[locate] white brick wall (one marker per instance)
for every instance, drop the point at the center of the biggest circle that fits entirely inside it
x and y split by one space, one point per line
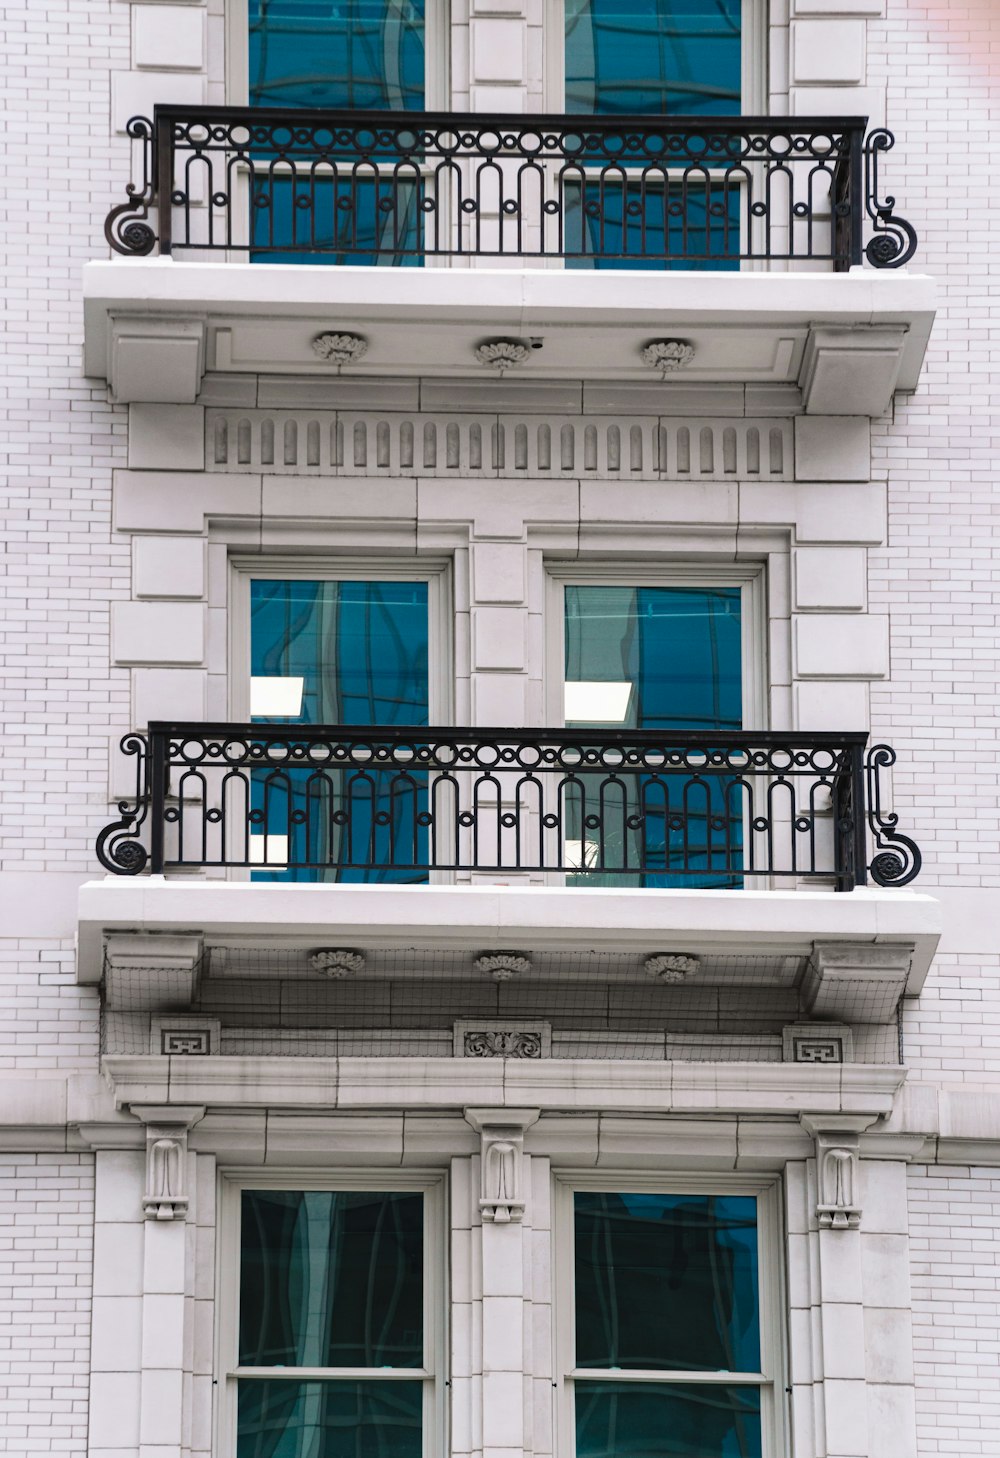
45 1284
954 1263
46 1020
937 578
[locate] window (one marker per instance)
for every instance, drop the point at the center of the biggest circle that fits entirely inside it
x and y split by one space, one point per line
361 54
668 1325
656 58
666 57
386 55
331 1343
671 655
353 649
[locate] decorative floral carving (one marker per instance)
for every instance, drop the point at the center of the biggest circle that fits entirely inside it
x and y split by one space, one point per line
502 966
503 1045
337 962
502 354
667 355
671 967
340 349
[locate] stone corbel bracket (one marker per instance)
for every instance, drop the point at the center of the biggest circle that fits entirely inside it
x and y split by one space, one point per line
154 360
837 1136
166 1194
502 1195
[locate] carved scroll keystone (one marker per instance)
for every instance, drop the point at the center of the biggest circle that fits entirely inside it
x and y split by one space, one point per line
166 1196
837 1136
502 1195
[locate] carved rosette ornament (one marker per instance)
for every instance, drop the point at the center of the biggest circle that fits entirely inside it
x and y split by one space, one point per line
340 349
667 355
671 967
337 962
502 966
502 354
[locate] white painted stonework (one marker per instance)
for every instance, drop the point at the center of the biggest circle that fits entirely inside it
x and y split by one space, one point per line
828 447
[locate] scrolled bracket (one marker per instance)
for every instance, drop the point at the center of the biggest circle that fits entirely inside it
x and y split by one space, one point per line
119 849
895 242
897 860
125 227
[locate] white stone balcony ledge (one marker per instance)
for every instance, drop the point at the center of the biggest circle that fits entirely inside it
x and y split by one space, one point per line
888 936
829 343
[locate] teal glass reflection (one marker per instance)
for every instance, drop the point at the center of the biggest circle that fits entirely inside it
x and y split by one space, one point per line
331 1278
368 1419
654 1420
637 221
653 57
672 659
354 54
667 1281
361 652
348 221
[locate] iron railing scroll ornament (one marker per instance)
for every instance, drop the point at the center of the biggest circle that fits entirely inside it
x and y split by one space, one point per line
636 807
126 227
897 860
895 241
119 847
414 188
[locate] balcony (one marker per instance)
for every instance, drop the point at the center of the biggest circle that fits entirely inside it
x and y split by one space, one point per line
586 191
574 240
359 890
398 806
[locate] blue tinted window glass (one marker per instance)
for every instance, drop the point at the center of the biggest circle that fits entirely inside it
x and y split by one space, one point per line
653 57
679 648
667 1281
331 1278
640 224
333 222
660 1420
367 1419
656 658
352 653
354 54
360 648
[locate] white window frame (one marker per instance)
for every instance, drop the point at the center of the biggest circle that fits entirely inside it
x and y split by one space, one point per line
437 52
749 577
434 1374
771 1278
753 56
437 572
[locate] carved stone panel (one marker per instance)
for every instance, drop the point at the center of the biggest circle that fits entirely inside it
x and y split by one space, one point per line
481 1038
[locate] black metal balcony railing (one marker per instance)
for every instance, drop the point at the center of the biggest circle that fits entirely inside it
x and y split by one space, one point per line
648 807
625 192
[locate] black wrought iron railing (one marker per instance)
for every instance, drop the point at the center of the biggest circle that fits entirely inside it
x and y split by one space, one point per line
632 807
415 188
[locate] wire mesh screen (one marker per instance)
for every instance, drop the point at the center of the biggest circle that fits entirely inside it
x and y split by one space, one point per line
447 1004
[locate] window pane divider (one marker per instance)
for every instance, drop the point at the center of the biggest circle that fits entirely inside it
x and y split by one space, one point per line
668 1374
347 1374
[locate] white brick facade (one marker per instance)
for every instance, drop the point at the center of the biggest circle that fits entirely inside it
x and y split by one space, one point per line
874 544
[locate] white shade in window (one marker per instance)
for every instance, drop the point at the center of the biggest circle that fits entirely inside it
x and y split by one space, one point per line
591 702
276 698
